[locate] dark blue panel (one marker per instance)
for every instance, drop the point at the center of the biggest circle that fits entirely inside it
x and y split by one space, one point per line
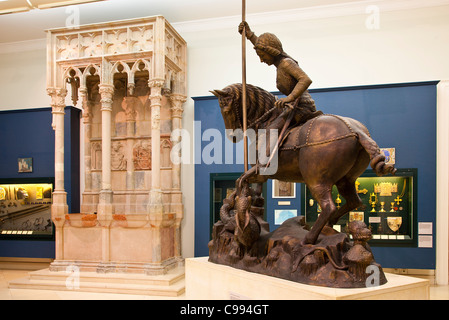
27 249
401 116
206 110
28 133
72 157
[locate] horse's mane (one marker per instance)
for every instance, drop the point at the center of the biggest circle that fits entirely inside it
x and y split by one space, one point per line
259 101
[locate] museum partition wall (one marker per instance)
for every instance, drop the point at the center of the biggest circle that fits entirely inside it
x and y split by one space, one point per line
27 174
400 210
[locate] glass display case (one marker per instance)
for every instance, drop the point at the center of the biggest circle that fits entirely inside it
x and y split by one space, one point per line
221 186
25 208
389 207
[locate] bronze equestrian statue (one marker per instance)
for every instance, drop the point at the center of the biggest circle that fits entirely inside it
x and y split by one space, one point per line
316 149
325 151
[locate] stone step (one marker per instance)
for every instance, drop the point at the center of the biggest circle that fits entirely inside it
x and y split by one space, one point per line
171 277
171 284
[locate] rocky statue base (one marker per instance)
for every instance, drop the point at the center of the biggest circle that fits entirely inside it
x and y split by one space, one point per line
241 239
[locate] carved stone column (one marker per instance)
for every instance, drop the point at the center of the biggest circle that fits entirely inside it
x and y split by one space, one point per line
177 101
87 122
105 208
59 207
129 106
156 101
155 206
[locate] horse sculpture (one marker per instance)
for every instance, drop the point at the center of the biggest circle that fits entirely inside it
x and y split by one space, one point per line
326 150
323 151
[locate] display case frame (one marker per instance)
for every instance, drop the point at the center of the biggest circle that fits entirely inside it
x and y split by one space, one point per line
26 216
390 207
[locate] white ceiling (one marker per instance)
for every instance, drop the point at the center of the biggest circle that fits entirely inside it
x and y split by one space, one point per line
31 25
25 26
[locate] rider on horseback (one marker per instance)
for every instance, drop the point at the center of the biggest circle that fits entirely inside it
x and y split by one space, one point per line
291 80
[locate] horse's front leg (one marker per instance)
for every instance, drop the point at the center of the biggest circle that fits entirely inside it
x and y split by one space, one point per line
244 177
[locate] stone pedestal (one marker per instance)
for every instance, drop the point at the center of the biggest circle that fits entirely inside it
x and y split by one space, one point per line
168 285
210 281
125 244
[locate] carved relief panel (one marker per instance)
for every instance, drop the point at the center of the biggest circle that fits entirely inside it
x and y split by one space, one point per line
109 41
96 155
142 156
165 153
118 160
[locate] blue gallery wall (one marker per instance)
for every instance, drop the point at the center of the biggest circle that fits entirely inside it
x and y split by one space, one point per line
401 116
28 133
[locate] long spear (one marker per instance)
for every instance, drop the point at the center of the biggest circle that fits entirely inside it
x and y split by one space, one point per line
245 137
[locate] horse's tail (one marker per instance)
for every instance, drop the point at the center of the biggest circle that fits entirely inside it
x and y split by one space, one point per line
377 158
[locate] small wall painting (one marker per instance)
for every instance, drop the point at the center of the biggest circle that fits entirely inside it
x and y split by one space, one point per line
25 164
282 189
281 215
390 155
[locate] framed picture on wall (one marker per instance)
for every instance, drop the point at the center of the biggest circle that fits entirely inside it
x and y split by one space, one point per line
390 155
282 189
281 215
25 164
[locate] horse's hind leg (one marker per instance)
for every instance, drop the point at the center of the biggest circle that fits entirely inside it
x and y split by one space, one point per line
346 188
322 194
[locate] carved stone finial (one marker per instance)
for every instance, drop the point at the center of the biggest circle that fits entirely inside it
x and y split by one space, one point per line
106 91
129 105
87 115
57 98
156 83
177 101
57 102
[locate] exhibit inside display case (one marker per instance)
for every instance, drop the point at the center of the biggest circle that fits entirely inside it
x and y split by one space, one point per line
222 185
389 207
25 208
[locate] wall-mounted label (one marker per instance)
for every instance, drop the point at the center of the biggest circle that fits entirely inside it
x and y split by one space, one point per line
425 228
425 241
374 220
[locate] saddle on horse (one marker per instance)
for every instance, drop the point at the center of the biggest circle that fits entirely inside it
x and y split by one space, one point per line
299 119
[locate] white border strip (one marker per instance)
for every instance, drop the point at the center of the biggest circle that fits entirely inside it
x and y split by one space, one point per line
442 221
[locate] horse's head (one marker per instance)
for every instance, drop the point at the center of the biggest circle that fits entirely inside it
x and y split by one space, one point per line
228 102
258 104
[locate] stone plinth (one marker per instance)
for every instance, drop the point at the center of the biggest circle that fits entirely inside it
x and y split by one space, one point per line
168 285
129 246
206 280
